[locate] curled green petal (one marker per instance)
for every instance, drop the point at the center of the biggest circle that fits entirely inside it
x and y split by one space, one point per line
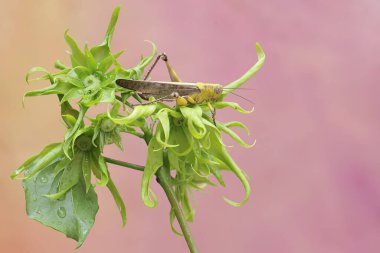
235 136
251 72
194 121
39 69
221 153
237 124
153 163
164 143
118 200
172 219
60 65
146 61
141 111
182 139
233 105
103 170
72 131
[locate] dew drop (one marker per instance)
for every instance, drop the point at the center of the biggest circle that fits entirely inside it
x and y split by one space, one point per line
43 179
61 212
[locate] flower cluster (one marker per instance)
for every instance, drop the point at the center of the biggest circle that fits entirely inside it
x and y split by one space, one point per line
183 139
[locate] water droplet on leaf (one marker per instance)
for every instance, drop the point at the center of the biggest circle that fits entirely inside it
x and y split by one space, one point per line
43 179
61 212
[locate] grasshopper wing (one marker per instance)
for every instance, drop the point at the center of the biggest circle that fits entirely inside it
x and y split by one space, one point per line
158 89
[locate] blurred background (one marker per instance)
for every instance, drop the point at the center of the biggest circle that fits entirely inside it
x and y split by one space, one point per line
315 167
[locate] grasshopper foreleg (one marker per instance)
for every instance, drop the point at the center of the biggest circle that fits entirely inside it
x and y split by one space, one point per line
213 112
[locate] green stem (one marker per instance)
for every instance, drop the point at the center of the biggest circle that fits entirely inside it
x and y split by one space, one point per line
124 164
164 180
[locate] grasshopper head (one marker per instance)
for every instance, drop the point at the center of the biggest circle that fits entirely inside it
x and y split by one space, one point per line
218 89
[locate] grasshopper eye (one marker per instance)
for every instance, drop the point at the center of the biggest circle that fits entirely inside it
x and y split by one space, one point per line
218 90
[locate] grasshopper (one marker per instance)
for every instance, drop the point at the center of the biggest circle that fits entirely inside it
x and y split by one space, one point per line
181 92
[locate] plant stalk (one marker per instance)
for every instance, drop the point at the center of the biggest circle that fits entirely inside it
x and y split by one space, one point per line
124 164
164 179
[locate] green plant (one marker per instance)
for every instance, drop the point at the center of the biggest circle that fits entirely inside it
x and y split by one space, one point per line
59 182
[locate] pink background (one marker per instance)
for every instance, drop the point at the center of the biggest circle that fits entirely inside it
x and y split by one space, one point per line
315 167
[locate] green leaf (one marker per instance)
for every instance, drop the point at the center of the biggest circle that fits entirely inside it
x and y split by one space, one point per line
68 114
71 132
107 62
86 169
103 50
73 215
70 177
53 89
78 58
37 163
71 94
107 95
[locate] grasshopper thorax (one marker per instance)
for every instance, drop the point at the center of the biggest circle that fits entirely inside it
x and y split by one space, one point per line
208 92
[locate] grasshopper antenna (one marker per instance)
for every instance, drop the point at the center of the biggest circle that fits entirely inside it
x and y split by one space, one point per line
246 99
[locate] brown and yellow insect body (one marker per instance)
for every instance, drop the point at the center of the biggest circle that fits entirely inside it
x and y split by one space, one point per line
182 93
208 92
